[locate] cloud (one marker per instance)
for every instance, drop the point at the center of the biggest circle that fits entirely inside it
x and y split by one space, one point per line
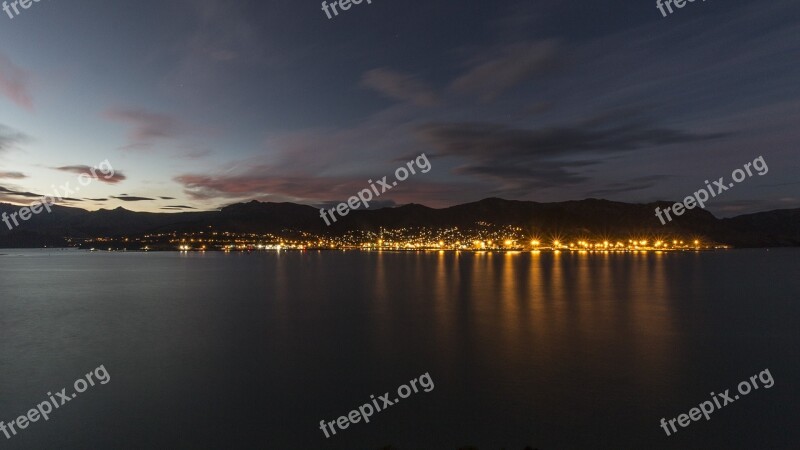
494 141
13 175
5 190
99 175
400 86
491 75
133 199
14 195
177 207
521 159
146 126
14 83
167 198
10 138
517 180
257 183
374 204
251 184
635 184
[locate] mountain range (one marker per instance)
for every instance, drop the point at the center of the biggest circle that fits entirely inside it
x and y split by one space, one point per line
591 217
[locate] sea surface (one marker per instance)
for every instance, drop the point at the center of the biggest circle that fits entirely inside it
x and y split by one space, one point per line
556 351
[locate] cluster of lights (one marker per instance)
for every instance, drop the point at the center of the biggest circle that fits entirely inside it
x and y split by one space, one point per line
484 237
186 248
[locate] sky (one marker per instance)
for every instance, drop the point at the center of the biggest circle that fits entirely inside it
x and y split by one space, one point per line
197 104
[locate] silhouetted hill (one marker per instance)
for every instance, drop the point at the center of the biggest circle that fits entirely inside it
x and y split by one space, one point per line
778 228
583 217
591 216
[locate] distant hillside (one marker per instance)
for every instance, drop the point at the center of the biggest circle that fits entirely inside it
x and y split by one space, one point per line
584 217
778 228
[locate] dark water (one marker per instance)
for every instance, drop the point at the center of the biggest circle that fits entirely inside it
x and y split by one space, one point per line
562 351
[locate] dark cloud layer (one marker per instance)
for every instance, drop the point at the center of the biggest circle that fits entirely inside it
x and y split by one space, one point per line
9 191
177 207
523 159
13 175
110 178
13 195
133 199
632 185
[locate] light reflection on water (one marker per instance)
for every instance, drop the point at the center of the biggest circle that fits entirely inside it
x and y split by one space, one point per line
553 350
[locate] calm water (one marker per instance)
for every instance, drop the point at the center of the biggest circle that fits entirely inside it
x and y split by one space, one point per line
562 351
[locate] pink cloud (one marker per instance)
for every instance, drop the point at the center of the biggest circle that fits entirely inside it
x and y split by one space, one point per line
257 184
14 83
